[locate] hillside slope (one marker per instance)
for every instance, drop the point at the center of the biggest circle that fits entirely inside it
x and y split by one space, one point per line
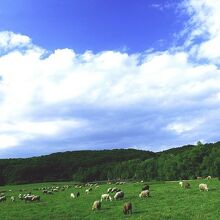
176 163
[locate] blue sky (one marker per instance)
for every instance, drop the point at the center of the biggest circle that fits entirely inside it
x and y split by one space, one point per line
95 25
95 74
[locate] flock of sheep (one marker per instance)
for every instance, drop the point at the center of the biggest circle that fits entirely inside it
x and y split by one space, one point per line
127 208
32 197
202 186
111 193
119 194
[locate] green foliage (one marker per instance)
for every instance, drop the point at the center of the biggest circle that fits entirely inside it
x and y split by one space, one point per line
186 162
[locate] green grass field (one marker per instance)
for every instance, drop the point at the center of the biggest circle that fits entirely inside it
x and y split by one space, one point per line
168 201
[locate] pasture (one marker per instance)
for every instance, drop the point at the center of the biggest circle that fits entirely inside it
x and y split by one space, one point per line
167 201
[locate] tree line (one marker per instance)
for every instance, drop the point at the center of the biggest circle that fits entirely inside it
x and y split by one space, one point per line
186 162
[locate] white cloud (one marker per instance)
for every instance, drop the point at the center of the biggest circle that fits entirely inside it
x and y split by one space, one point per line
204 25
63 93
8 141
181 127
10 40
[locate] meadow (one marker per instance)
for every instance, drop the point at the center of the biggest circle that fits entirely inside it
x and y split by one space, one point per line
167 201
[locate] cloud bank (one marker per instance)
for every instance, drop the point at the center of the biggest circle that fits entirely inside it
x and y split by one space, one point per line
61 100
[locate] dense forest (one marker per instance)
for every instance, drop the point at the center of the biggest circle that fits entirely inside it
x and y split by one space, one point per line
120 164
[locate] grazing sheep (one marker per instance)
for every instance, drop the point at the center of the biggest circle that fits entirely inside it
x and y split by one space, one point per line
72 195
20 196
119 195
145 187
208 177
28 197
88 190
115 189
2 198
186 185
106 197
12 198
54 190
203 187
35 198
96 205
49 192
109 190
145 193
198 177
127 208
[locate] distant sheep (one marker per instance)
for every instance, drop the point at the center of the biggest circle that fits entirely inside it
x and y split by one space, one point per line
28 197
88 190
49 192
145 187
181 183
203 187
119 195
20 196
35 198
208 177
109 190
12 198
127 208
115 189
72 196
96 205
106 197
31 198
184 184
145 193
55 190
2 198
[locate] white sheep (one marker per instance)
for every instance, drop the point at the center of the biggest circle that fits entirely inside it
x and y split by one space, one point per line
72 195
35 198
181 183
28 197
203 187
145 193
109 190
12 198
96 205
119 195
2 198
87 191
106 197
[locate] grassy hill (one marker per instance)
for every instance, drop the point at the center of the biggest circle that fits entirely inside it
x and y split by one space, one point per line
176 163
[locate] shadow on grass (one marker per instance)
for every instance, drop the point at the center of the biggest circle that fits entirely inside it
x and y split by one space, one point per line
213 189
140 212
